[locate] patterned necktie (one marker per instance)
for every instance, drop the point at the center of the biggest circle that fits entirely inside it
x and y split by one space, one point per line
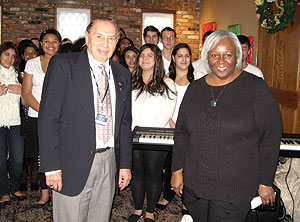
104 133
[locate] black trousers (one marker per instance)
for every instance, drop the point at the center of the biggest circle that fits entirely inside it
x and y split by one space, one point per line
168 193
33 145
233 209
147 177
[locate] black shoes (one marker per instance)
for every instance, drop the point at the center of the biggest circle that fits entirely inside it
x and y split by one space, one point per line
20 198
134 217
38 206
161 206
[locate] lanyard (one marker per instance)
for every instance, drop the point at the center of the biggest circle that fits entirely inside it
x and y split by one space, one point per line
98 85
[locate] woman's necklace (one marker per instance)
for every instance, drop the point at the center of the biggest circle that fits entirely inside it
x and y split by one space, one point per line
214 101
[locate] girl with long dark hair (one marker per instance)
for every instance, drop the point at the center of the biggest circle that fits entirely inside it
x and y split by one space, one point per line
181 71
153 104
11 140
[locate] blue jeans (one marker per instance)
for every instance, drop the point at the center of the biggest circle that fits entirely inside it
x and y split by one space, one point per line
11 141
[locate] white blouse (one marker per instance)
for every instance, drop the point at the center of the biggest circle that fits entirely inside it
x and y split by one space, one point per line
153 111
34 68
180 93
9 103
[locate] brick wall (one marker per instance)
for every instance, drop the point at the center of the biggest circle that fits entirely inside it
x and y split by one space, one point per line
187 25
28 18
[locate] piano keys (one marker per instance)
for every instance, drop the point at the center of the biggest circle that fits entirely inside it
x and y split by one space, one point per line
161 139
153 138
290 145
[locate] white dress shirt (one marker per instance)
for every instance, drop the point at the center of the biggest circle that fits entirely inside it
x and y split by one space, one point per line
166 65
200 68
254 70
95 68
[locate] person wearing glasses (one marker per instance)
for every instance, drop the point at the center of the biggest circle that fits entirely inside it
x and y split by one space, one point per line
168 39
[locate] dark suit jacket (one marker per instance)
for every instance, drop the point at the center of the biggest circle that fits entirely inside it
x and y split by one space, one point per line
67 135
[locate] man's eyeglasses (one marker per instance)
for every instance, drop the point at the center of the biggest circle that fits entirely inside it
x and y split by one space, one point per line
168 38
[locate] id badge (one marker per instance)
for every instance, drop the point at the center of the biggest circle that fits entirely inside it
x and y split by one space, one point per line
101 119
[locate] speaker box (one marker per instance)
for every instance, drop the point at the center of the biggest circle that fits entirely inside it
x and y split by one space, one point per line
266 213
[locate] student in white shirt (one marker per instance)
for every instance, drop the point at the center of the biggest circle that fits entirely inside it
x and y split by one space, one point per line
181 71
168 39
153 105
34 75
11 140
199 65
244 40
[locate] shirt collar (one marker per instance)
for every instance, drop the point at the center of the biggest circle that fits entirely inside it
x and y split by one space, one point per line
94 63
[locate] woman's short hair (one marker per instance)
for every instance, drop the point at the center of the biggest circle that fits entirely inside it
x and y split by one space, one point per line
213 39
172 67
46 32
50 31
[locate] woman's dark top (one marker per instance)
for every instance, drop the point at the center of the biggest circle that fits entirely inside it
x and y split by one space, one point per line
231 147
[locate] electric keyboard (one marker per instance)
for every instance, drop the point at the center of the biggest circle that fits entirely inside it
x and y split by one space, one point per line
290 145
153 138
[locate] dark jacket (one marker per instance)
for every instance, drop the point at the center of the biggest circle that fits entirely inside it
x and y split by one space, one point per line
67 135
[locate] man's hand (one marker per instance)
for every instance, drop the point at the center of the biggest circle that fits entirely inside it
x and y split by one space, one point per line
54 181
266 194
177 182
124 178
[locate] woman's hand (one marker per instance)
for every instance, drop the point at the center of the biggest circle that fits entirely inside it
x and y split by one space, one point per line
266 194
172 124
15 88
177 182
3 89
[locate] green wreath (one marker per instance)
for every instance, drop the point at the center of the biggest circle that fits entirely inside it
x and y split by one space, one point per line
275 22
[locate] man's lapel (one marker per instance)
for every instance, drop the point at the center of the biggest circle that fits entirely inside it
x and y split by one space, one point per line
120 87
83 81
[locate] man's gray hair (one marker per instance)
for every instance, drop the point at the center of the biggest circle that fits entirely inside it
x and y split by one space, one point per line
90 26
213 39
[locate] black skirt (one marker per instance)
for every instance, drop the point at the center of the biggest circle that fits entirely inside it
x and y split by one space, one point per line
32 142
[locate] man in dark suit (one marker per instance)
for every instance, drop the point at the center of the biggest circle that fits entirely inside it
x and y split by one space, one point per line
85 127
